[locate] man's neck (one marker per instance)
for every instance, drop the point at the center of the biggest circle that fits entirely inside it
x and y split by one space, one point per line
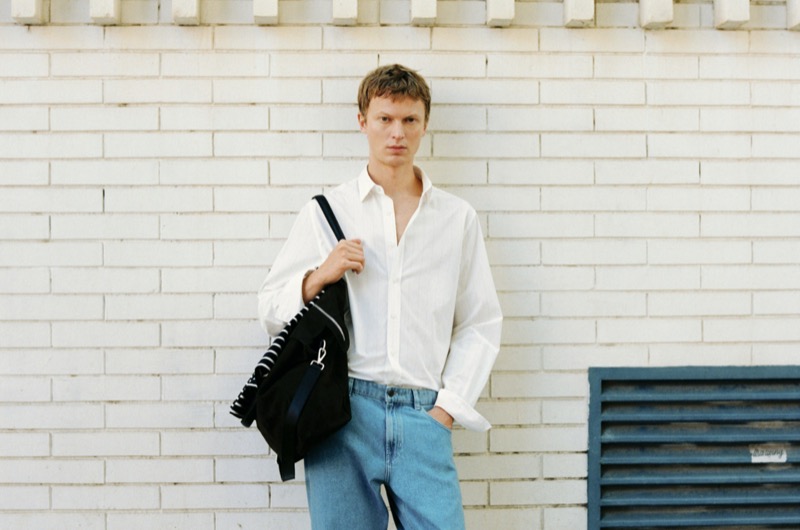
396 181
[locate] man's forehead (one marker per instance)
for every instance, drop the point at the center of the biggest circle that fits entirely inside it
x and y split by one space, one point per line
400 103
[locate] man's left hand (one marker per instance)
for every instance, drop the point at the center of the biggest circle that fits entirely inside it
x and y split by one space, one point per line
440 415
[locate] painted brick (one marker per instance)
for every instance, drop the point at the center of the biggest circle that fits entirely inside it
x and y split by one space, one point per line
646 119
24 227
545 439
544 491
539 66
158 307
698 93
199 172
751 225
654 278
157 37
15 389
752 330
775 145
160 521
549 331
104 172
520 304
587 304
597 92
104 119
24 444
546 385
212 443
267 144
676 252
27 254
160 199
49 416
277 38
24 65
599 40
540 119
267 91
772 94
105 497
647 225
105 280
159 470
157 145
510 412
25 498
504 518
23 119
678 304
698 199
49 307
762 120
106 388
95 227
104 64
533 172
50 146
15 173
223 333
697 42
645 67
582 357
513 252
51 362
772 172
101 334
564 466
594 145
646 172
751 277
157 253
252 521
214 118
214 65
50 91
557 412
105 444
572 518
648 330
485 39
707 354
489 91
160 361
776 252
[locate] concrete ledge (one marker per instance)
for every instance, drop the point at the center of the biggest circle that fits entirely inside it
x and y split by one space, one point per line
104 11
265 12
28 12
186 12
793 14
499 12
578 13
345 12
655 14
423 12
731 14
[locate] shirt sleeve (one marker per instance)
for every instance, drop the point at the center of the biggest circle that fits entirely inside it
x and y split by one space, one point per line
280 297
475 340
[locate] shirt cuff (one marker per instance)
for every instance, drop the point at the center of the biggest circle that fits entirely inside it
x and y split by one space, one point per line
291 298
461 411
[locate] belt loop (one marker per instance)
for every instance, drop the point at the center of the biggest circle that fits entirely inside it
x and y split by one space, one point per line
350 384
415 399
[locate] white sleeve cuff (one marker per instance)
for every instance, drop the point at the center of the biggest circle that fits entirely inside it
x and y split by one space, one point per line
461 411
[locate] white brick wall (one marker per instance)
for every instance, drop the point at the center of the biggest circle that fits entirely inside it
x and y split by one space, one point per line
638 189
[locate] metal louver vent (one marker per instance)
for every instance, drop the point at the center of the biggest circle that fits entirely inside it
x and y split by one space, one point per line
694 447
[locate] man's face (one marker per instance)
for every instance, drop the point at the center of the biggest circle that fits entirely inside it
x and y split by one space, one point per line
394 129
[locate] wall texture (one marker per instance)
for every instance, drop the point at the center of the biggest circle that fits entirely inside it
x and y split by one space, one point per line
639 191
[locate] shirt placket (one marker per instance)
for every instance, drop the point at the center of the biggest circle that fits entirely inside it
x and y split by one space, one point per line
394 264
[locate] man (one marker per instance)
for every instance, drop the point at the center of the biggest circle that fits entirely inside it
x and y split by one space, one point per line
425 322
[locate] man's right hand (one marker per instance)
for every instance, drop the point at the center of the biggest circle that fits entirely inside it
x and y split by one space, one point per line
347 255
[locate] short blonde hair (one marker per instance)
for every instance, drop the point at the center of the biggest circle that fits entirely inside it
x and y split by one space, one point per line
395 81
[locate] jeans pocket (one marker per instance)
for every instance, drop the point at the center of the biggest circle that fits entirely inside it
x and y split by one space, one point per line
430 418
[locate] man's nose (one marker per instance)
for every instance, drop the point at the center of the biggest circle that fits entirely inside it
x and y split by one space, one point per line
397 129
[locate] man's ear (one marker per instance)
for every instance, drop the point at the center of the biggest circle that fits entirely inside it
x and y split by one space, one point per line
362 122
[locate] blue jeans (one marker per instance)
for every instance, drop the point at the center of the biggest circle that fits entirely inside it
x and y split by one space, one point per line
391 440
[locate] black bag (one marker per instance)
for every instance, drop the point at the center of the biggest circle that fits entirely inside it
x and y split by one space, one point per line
299 393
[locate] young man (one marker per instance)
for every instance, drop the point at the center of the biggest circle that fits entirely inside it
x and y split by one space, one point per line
425 322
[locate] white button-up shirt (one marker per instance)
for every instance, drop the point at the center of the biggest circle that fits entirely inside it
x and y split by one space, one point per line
424 311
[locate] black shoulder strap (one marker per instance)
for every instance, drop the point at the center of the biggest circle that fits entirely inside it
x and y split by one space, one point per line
326 209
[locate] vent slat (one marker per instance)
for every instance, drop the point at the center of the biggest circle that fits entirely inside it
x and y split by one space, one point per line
694 454
692 475
696 496
698 391
726 412
674 519
705 433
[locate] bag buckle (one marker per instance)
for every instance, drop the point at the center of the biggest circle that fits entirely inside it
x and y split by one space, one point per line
320 356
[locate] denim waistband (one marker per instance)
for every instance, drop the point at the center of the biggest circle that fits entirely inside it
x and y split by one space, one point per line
415 397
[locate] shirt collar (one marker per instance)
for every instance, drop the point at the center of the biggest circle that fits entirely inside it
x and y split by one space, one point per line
366 184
